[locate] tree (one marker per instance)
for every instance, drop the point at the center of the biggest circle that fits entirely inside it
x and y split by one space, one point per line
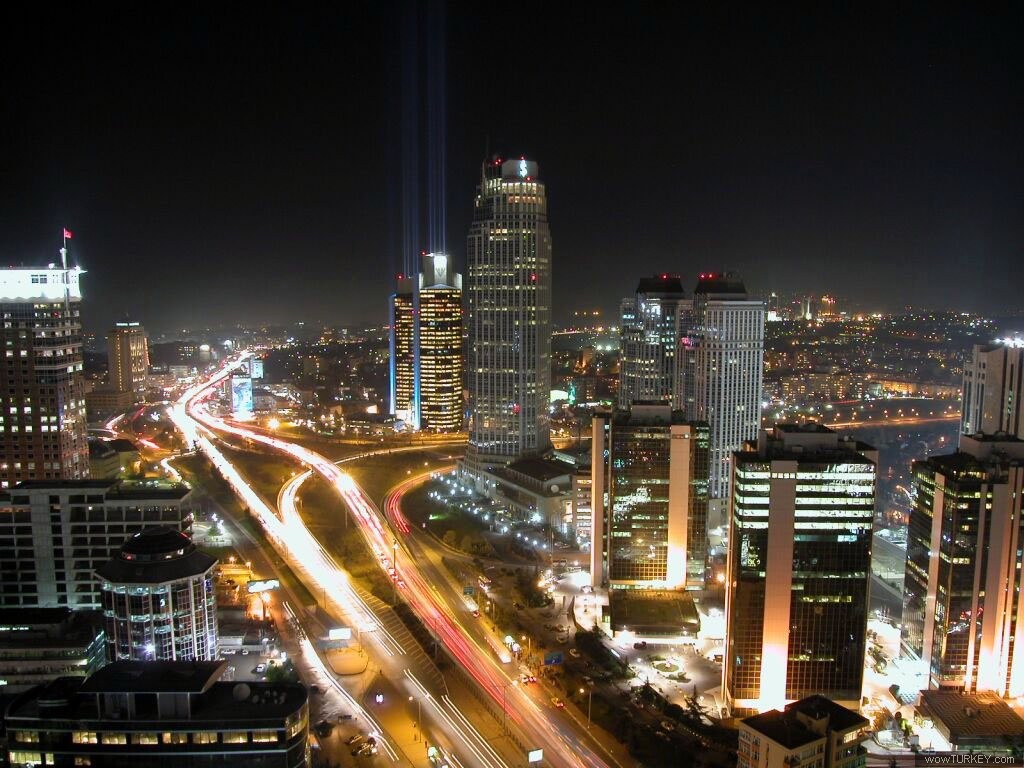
450 538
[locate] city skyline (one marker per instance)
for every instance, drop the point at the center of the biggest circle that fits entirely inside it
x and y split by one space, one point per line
894 156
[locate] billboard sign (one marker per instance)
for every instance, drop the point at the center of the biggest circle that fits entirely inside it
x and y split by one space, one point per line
241 396
535 756
256 368
264 585
339 633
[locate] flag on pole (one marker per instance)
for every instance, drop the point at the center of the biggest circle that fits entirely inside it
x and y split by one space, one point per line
67 233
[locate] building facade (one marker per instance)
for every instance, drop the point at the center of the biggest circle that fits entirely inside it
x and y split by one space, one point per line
723 359
799 568
649 499
159 714
54 535
38 645
993 389
651 325
127 357
440 345
42 395
402 360
962 593
158 599
508 303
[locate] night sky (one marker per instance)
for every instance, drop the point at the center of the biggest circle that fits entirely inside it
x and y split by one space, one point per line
245 166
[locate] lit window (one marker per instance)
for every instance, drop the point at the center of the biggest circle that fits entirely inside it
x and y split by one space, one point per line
145 738
83 737
236 737
262 737
175 738
204 737
113 738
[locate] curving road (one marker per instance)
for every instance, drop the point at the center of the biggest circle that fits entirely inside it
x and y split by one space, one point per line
562 746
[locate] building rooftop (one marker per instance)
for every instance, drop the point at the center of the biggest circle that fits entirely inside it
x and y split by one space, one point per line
112 489
121 445
969 717
541 469
721 283
805 721
664 283
647 413
156 555
782 728
154 677
818 707
22 617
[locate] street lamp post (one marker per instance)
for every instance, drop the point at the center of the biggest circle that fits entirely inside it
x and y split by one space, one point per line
419 717
529 646
504 705
590 702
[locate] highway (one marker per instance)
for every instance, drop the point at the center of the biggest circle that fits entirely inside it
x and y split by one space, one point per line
561 745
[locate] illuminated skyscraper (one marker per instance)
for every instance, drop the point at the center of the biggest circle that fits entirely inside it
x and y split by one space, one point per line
652 323
993 393
42 411
649 499
402 360
508 301
440 344
962 610
723 359
127 357
426 347
799 568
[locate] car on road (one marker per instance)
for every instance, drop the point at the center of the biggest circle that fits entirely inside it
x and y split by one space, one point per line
324 728
641 644
574 653
259 669
558 702
476 614
354 739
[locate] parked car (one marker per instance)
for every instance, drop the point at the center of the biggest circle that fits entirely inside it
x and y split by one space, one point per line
641 644
259 669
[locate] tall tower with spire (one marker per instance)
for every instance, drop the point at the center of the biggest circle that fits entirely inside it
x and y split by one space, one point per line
508 306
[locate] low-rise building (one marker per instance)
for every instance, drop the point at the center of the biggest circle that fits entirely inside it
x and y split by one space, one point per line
38 645
811 733
168 713
973 722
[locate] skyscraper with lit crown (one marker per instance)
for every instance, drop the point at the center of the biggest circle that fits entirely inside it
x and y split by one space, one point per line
43 422
440 344
508 303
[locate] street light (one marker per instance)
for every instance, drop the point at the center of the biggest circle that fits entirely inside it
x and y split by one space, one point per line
529 646
590 702
504 704
419 717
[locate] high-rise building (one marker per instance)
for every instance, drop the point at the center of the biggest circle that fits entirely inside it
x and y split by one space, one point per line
508 302
42 408
723 373
799 568
158 599
964 584
440 345
127 357
426 347
993 393
55 534
402 360
652 323
649 499
162 714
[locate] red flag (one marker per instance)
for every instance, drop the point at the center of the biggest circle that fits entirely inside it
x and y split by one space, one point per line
67 233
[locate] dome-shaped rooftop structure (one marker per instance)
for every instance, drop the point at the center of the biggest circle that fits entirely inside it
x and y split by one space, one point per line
155 544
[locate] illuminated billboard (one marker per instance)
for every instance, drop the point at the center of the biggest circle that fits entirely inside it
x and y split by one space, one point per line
256 368
241 396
